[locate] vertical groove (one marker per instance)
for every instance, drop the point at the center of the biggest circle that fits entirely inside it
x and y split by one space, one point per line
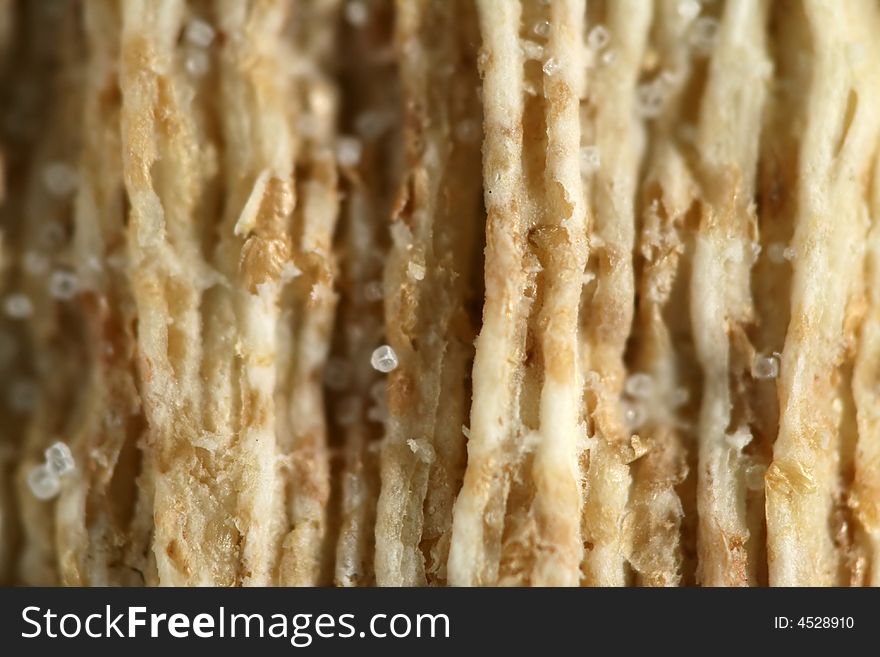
435 233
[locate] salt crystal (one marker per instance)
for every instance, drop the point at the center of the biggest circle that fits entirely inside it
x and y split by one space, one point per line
551 67
60 178
423 450
777 252
598 38
199 33
384 359
740 438
532 50
639 385
415 270
197 63
755 476
63 285
689 9
765 367
634 416
18 306
348 151
43 482
356 13
542 28
59 458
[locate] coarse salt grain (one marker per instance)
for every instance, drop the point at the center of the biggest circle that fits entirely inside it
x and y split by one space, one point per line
63 285
423 450
765 367
43 483
740 438
384 359
634 415
197 63
755 476
532 50
598 38
688 9
59 458
348 151
199 33
60 178
357 13
415 270
778 252
542 28
18 306
551 67
639 385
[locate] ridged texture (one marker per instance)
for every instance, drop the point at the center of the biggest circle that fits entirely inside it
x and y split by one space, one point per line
626 254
